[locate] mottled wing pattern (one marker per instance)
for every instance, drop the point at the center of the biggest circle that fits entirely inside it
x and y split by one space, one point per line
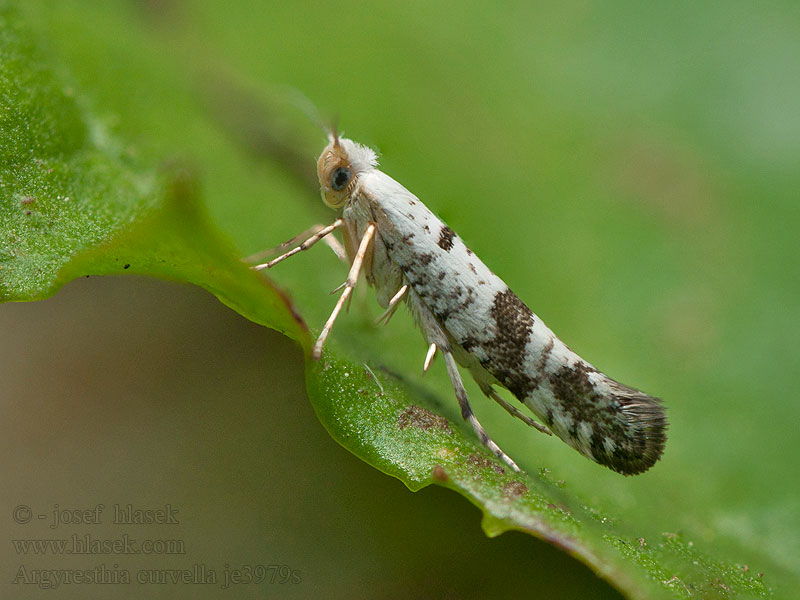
606 421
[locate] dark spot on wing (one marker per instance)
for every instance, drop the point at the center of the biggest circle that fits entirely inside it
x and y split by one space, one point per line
446 236
442 275
469 300
469 343
633 422
571 385
421 278
425 259
506 348
472 268
427 229
597 446
546 352
577 397
444 314
406 239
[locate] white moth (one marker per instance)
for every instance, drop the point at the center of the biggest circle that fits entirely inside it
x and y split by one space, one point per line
468 314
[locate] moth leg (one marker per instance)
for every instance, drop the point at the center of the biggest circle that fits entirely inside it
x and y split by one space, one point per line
334 244
429 358
336 247
268 252
393 304
349 284
466 410
320 234
513 411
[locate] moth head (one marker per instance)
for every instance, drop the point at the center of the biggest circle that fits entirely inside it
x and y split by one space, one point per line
336 176
338 168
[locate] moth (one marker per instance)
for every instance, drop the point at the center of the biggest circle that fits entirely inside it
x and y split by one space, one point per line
473 319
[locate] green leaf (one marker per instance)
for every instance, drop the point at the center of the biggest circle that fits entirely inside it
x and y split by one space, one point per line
74 203
91 186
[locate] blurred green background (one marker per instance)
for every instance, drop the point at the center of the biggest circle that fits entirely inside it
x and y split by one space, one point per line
630 169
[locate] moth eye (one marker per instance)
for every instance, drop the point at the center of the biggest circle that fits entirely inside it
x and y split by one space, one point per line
340 178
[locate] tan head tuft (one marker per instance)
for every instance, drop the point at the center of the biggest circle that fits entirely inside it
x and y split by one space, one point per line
339 167
335 173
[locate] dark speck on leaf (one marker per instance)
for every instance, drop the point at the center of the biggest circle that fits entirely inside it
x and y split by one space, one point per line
439 474
514 489
416 416
478 460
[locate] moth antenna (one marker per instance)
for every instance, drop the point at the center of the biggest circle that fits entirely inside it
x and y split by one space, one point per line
333 132
293 96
